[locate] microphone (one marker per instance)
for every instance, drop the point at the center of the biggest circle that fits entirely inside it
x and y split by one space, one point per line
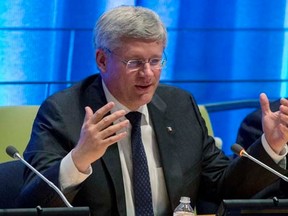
239 150
13 152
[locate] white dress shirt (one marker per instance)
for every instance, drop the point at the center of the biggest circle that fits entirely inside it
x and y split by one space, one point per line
278 159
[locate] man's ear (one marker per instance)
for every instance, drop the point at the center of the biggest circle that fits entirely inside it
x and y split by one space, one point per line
101 60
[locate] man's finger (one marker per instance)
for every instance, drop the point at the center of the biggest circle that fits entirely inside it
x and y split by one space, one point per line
100 113
88 113
264 102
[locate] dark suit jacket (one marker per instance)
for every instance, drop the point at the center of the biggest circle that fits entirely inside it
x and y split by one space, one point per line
193 166
249 131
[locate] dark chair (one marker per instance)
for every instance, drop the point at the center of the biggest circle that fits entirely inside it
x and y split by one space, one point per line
11 181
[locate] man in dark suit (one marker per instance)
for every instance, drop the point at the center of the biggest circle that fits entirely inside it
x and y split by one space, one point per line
81 136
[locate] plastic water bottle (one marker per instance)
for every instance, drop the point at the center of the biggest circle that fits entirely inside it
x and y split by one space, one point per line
184 208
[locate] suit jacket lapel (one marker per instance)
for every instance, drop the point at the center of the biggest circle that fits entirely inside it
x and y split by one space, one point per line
112 161
94 95
164 129
96 99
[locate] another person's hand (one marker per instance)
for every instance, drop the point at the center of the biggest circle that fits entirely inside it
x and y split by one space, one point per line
275 124
97 133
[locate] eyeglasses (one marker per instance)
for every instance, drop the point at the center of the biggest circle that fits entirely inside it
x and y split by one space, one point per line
137 64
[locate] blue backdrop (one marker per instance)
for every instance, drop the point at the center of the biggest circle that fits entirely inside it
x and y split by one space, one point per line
219 50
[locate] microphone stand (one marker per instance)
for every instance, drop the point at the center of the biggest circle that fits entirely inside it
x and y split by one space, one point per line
245 154
17 155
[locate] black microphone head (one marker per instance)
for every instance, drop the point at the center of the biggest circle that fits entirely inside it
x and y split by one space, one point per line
237 149
11 151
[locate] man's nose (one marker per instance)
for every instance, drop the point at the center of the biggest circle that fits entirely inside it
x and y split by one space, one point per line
146 69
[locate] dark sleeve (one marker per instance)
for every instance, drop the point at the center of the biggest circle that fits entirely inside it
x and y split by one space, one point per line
50 142
245 178
243 175
240 178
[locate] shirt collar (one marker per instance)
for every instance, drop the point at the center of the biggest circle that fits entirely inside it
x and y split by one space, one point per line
118 106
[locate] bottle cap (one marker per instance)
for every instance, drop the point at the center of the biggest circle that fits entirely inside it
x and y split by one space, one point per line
185 199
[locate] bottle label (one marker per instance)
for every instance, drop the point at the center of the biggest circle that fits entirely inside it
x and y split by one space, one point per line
183 213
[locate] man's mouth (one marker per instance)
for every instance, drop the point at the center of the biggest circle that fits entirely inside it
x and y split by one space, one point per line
143 87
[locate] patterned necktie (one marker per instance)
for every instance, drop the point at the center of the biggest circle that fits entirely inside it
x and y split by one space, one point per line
141 180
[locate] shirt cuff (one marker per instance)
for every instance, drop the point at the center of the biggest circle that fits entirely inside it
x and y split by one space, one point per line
69 175
277 158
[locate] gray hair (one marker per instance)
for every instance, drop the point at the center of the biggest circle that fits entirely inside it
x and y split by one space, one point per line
126 22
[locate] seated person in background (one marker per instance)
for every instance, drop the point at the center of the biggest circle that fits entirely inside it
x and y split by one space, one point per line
249 131
251 126
83 142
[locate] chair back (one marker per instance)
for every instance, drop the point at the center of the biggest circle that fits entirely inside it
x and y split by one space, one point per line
15 128
206 117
